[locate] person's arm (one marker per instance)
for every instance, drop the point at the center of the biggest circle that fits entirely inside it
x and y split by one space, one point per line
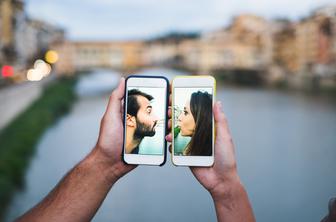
222 180
232 203
80 193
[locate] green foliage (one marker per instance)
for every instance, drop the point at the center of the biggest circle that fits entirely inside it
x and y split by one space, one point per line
176 131
18 140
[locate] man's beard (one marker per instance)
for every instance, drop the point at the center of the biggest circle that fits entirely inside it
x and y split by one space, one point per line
143 130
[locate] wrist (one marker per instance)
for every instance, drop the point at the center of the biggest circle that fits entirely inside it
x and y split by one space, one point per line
102 165
229 189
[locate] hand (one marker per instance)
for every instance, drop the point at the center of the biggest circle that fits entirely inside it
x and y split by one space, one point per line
219 178
223 173
110 141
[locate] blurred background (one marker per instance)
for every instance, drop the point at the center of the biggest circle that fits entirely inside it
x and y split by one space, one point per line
275 65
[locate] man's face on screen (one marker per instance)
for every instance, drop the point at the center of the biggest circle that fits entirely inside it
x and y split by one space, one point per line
145 120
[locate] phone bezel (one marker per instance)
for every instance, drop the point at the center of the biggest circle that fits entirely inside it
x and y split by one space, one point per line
145 81
193 81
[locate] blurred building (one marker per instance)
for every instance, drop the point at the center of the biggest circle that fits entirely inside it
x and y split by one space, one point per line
34 38
77 56
11 12
22 39
316 42
191 54
278 49
285 55
165 50
326 57
245 44
160 53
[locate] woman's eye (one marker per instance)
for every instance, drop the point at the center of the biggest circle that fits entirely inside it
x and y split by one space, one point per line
185 112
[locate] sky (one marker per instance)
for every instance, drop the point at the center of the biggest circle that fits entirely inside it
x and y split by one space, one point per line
141 19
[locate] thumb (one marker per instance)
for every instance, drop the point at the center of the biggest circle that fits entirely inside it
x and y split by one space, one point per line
221 122
114 106
223 135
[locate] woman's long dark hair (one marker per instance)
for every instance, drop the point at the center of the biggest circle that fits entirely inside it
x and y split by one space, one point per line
201 109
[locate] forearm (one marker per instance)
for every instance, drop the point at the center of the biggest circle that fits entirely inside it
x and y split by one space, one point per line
78 195
232 203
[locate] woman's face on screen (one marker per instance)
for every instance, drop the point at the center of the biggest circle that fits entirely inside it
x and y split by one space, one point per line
186 121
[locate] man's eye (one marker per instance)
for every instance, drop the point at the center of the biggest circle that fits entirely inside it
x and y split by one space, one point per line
149 111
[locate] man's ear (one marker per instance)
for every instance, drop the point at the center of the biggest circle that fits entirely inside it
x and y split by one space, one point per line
130 121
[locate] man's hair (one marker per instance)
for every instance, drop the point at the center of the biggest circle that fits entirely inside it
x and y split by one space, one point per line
132 102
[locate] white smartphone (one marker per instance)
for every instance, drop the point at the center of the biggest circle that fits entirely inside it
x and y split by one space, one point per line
145 120
192 120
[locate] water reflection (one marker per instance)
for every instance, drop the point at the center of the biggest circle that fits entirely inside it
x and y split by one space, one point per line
98 82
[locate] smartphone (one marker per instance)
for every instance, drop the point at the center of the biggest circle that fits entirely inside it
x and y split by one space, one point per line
192 120
145 120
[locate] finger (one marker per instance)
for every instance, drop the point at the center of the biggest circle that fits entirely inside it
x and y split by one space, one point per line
169 124
220 120
122 108
114 106
170 99
223 135
169 111
169 137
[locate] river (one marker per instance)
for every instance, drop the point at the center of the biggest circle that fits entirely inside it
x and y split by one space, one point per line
285 147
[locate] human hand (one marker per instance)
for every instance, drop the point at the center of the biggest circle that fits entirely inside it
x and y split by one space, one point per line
219 178
110 140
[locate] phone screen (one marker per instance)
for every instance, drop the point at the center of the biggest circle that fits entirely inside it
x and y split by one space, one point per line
193 121
145 120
